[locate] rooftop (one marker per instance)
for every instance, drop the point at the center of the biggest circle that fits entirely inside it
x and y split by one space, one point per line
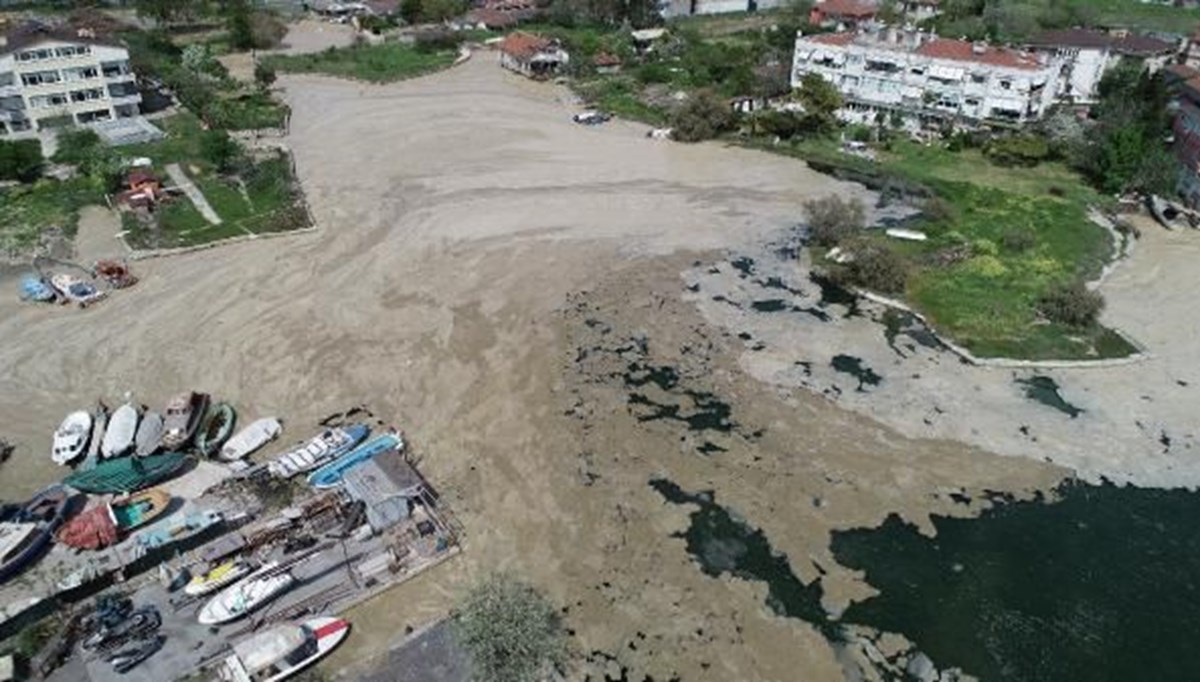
847 8
524 45
933 47
1092 39
33 32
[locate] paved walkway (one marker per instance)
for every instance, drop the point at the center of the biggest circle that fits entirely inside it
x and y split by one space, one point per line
183 182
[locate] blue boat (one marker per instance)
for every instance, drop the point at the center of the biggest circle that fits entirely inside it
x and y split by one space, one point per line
34 288
25 535
330 475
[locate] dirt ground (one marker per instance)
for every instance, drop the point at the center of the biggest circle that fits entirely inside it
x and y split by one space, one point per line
469 233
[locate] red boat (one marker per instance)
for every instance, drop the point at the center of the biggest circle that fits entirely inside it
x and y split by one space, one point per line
104 525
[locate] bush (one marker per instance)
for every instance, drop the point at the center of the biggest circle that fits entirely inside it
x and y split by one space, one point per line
264 74
938 210
1017 150
703 116
437 40
832 219
20 160
783 124
76 145
1071 304
877 267
511 631
219 149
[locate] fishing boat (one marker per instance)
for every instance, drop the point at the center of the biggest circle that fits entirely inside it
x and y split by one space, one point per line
254 591
131 656
99 425
330 475
220 576
23 538
215 430
76 290
182 418
257 434
121 431
105 524
283 651
188 526
71 438
325 447
127 474
149 435
34 288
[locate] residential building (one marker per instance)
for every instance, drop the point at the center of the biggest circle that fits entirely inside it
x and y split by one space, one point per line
1187 140
1087 54
843 14
56 76
531 55
686 8
927 81
1191 53
920 10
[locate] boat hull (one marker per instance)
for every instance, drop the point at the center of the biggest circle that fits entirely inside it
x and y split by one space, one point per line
330 475
71 438
251 438
127 474
246 596
149 435
216 429
46 510
219 577
121 431
318 451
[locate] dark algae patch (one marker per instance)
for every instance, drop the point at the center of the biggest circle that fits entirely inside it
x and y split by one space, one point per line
771 305
1102 585
848 364
724 544
707 411
1044 390
834 293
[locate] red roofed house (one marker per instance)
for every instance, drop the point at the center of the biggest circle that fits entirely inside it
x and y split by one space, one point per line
531 55
930 82
842 13
606 62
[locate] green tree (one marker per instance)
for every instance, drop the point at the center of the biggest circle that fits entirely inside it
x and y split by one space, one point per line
264 74
512 632
820 100
237 22
161 11
219 149
703 116
832 219
20 160
1119 158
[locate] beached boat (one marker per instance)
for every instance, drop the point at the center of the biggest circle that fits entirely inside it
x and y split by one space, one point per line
76 290
215 430
99 425
182 418
121 431
127 474
71 438
131 656
140 622
283 651
188 526
105 524
330 475
225 574
149 435
254 591
34 288
257 434
325 447
23 538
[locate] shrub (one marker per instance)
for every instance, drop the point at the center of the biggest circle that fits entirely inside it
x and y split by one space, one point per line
75 145
1017 150
832 219
937 209
264 74
703 116
219 149
20 160
437 40
511 631
783 124
877 267
1071 304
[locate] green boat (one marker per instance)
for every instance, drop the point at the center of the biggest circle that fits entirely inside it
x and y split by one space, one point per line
216 428
127 474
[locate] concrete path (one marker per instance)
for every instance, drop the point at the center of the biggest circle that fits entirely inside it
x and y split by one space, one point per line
183 182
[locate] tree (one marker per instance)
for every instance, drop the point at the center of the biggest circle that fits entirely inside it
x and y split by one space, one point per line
832 219
1071 304
198 59
821 100
703 116
20 160
410 11
237 22
511 631
878 267
161 11
219 149
264 74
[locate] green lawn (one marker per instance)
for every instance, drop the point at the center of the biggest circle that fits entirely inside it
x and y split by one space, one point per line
381 63
181 145
29 210
1142 16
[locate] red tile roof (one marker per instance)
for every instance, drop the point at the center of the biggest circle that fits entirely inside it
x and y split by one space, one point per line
964 51
523 45
833 38
492 18
858 9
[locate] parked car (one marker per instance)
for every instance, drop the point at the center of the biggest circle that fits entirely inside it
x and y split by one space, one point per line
591 118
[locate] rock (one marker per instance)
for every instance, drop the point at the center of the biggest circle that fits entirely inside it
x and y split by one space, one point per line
921 668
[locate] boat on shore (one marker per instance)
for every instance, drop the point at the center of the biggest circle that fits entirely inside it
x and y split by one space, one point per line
28 532
34 288
182 418
327 446
131 656
219 576
121 431
76 290
257 434
127 474
99 425
216 428
105 524
71 438
251 593
149 435
330 475
282 651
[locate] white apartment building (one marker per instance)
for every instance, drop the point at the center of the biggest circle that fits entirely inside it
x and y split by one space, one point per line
929 81
50 77
1086 55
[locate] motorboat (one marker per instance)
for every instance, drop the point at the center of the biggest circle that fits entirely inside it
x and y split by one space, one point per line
324 447
28 532
189 526
131 656
121 431
252 592
106 523
330 475
182 418
218 577
71 438
257 434
76 290
149 435
99 426
215 429
282 651
127 474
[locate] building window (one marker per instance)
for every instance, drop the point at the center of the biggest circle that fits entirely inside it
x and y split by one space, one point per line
80 73
45 101
87 95
40 77
73 50
978 78
1007 85
114 69
34 55
20 126
97 115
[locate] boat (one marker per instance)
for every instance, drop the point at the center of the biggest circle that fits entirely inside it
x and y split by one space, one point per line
330 475
182 418
282 651
23 538
139 623
187 526
257 434
254 591
71 438
121 431
127 474
114 272
34 288
76 290
215 430
131 656
105 524
99 425
325 447
225 574
149 435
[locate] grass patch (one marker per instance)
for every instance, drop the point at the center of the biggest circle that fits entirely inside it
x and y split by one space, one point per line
1146 16
619 95
30 210
181 144
383 63
249 111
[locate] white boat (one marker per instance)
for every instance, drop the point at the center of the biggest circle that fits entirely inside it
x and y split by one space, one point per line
257 434
283 651
325 447
121 431
149 434
907 235
220 576
71 438
254 591
76 290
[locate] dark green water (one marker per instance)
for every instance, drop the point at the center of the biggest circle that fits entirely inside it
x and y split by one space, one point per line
1044 390
848 364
